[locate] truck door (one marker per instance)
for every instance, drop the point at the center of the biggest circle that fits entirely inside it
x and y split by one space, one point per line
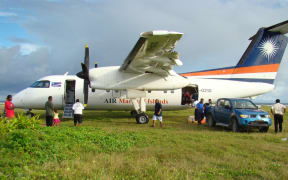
226 113
218 110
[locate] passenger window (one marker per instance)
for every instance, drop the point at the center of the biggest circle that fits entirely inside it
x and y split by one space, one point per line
41 84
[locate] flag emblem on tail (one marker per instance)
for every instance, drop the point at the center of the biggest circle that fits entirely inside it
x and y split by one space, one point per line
268 48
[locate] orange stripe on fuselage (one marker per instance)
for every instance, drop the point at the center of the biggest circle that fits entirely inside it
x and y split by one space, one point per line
239 70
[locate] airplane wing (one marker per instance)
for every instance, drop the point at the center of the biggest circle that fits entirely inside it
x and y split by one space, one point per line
153 53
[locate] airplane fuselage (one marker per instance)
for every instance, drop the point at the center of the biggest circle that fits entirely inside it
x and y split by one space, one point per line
35 97
65 88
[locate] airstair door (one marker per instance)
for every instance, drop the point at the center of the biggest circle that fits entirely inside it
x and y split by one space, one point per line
70 91
69 98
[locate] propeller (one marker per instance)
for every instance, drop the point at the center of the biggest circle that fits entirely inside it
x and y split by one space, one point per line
84 74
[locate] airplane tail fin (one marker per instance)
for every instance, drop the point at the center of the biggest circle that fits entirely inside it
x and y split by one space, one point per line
261 60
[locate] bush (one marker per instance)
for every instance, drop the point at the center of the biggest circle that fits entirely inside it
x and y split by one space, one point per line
21 121
26 147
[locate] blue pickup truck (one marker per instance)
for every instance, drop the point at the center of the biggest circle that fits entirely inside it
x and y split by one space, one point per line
238 114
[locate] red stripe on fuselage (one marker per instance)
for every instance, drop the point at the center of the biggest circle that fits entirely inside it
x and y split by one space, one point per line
238 70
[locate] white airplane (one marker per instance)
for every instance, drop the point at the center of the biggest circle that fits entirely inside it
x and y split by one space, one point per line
147 74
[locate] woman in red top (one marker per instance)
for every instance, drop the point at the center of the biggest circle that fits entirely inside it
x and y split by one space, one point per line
9 107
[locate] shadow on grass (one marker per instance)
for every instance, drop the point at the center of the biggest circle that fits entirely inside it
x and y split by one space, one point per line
242 130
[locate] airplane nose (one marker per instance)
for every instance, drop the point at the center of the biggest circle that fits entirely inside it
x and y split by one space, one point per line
18 100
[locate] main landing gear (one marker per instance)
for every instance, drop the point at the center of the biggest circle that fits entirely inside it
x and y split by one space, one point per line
142 118
139 112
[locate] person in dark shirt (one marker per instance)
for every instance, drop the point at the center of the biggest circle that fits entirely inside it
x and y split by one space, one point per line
157 113
207 107
30 114
49 111
199 111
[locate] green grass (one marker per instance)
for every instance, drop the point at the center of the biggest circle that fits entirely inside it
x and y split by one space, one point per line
110 145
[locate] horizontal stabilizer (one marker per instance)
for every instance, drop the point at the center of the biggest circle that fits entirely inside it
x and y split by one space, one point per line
281 27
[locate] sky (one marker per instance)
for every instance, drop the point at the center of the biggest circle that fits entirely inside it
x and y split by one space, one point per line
45 37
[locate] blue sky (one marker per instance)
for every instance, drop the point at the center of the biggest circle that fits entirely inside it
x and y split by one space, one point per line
39 38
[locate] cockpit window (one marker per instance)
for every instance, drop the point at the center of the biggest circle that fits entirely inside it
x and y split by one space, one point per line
41 84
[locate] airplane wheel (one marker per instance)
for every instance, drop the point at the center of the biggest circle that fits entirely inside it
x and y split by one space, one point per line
142 118
133 113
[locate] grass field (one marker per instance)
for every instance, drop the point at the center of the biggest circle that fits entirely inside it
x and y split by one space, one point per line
110 145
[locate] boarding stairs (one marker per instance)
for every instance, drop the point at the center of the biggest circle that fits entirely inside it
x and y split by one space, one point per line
68 112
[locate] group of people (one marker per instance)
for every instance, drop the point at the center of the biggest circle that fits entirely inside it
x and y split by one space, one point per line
52 116
201 110
277 110
189 98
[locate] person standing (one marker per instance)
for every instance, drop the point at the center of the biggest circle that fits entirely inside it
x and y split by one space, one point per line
77 108
49 111
56 120
157 113
210 102
199 111
9 107
278 110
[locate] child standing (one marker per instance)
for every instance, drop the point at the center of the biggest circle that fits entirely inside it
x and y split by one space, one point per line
56 119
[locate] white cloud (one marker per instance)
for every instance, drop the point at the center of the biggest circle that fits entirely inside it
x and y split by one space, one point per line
26 48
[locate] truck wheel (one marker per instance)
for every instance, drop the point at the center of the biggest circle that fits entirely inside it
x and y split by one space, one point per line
264 129
142 118
235 126
210 120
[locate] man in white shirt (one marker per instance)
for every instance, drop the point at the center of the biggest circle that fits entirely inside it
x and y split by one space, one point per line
278 110
77 108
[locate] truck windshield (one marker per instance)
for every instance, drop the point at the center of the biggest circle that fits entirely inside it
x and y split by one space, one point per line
243 104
